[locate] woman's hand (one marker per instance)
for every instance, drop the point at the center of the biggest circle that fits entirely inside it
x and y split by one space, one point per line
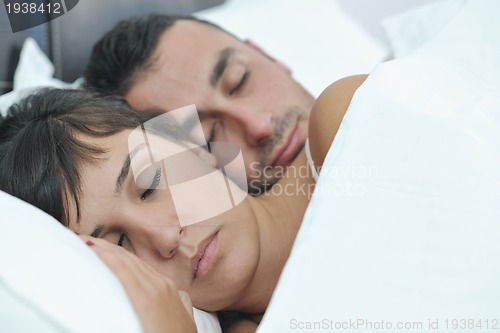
161 307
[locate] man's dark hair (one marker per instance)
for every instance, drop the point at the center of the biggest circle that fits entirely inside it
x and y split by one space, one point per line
42 144
126 50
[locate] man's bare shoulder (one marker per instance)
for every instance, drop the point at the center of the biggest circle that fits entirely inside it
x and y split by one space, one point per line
327 114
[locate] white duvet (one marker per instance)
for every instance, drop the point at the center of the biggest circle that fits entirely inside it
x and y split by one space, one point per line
403 231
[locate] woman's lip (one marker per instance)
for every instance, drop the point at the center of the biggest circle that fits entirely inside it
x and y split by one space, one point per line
205 258
289 148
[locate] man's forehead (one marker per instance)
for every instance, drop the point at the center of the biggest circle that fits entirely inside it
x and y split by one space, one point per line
193 29
182 67
191 40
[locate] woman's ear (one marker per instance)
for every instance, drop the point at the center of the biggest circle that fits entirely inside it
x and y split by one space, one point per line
259 49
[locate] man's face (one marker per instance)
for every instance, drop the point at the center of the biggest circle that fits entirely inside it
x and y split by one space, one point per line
242 96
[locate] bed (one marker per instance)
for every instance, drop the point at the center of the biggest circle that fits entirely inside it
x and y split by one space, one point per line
401 248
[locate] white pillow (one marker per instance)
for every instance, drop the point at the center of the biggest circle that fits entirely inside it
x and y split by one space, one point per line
33 70
318 39
51 281
412 29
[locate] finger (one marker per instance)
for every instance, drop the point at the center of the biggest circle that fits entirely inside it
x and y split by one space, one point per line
90 241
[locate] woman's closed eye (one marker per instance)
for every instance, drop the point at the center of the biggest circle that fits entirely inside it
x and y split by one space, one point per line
121 240
124 242
154 185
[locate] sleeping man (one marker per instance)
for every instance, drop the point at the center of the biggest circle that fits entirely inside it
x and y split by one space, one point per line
242 95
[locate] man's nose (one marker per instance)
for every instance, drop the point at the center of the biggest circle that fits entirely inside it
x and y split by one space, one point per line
257 126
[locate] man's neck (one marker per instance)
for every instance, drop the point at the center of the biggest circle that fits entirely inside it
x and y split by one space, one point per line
279 214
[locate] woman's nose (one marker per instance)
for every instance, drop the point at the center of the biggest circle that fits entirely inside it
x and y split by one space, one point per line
165 239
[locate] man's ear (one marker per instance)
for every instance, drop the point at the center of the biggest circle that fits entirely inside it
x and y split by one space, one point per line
259 49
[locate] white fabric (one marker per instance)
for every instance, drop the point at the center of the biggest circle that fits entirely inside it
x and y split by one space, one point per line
52 281
317 39
407 31
404 224
206 322
34 70
310 160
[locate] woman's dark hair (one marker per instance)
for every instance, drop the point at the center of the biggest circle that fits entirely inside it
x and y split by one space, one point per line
42 144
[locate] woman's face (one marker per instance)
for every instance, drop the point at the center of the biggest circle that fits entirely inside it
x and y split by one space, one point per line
213 260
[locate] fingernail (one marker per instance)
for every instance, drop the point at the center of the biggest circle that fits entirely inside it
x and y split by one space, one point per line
89 243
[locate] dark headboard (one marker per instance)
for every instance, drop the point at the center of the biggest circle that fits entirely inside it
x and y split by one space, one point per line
68 40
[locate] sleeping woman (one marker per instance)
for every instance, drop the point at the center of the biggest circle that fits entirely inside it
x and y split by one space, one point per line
67 153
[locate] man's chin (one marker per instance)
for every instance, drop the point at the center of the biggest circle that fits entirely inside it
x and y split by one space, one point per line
268 176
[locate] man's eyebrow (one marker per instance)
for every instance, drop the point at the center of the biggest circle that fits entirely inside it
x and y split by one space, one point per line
221 65
126 167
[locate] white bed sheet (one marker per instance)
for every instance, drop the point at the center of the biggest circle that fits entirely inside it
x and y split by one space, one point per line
404 225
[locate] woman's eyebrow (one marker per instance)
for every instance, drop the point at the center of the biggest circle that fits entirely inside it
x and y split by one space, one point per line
126 167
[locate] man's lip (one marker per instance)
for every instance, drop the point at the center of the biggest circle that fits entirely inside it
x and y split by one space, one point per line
288 148
204 258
